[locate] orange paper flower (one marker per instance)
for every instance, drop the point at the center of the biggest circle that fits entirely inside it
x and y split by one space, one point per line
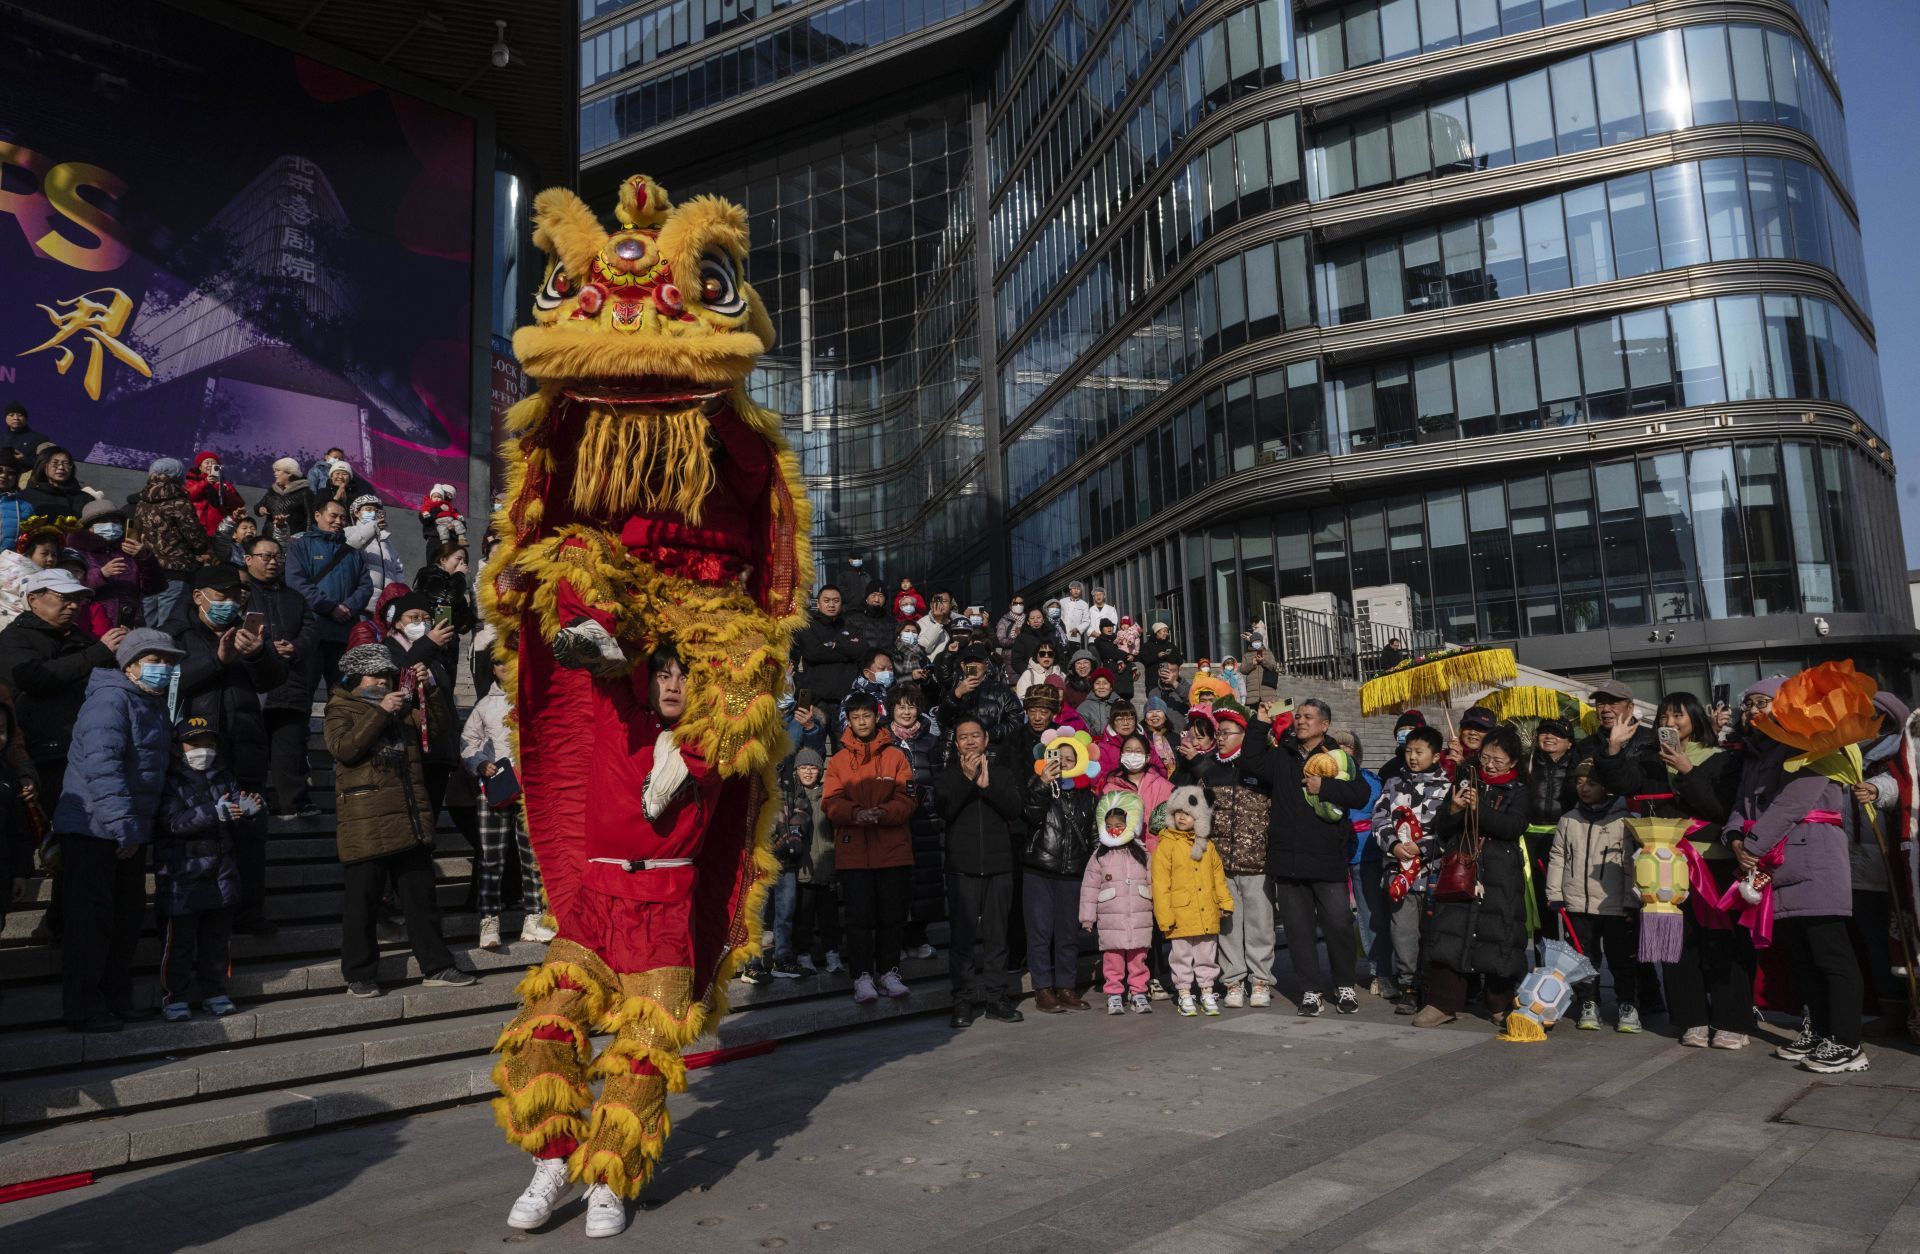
1823 710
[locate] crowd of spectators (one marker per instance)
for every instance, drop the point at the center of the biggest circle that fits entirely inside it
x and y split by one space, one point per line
160 658
939 768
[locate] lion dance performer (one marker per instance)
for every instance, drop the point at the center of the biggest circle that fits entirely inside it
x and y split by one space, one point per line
651 573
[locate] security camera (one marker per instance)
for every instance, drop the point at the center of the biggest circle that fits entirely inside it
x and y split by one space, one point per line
501 53
1821 626
1653 637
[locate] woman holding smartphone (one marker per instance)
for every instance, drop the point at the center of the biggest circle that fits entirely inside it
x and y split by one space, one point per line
443 581
1710 989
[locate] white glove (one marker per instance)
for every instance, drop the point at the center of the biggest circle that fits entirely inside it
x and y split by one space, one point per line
668 776
588 646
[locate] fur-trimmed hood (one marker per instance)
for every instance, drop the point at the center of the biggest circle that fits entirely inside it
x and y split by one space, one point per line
1193 799
1129 804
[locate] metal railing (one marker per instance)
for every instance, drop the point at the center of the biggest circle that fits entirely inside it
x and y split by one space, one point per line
1316 645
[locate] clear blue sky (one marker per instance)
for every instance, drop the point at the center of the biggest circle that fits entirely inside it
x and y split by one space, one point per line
1877 55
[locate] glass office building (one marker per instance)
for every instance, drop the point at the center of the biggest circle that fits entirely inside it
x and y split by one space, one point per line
1542 320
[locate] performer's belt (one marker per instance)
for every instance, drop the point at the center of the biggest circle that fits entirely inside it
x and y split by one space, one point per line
644 864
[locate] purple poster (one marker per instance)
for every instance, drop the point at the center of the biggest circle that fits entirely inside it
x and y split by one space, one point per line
208 242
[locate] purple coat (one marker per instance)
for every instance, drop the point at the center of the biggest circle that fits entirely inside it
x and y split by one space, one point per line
116 602
1116 897
1815 879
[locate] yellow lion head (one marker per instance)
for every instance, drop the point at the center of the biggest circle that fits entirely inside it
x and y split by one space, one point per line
660 303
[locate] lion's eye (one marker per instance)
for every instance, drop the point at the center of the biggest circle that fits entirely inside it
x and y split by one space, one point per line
720 288
555 291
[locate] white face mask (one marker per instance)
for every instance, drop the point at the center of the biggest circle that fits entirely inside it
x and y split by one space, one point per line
1134 761
413 631
367 515
200 759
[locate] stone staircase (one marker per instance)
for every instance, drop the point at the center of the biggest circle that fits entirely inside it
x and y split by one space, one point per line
301 1055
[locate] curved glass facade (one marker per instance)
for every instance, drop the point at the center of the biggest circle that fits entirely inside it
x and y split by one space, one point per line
1154 303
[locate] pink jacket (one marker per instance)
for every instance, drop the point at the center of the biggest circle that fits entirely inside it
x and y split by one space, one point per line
1116 896
1153 789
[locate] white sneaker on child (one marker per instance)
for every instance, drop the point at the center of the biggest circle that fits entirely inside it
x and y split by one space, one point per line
490 931
1187 1008
833 962
1142 1005
1209 1004
1116 1004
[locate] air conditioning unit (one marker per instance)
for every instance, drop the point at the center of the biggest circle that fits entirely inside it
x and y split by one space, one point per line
1381 612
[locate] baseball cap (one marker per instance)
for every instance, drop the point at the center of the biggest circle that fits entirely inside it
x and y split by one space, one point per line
1611 690
55 580
1479 717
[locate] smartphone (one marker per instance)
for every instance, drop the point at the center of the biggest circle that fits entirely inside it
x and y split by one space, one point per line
254 623
1669 738
1721 692
443 616
126 614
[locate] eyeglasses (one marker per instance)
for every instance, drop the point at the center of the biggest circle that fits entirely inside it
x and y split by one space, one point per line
270 559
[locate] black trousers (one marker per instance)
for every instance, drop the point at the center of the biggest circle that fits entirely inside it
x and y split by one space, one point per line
411 872
106 901
1614 937
1712 984
287 732
51 773
250 856
1447 990
323 665
195 946
816 922
1051 904
1300 903
1828 973
876 902
978 908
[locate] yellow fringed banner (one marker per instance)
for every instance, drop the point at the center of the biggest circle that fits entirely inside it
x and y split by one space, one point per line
1439 677
1527 701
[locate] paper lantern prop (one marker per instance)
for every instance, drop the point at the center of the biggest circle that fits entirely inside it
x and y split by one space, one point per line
1074 751
1546 992
1661 878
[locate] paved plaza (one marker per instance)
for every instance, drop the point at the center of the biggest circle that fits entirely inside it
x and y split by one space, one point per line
1075 1134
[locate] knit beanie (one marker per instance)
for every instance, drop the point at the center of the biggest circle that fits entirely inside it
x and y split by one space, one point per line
167 467
368 659
809 756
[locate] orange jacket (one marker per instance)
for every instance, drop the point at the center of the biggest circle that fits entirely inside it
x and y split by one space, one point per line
865 775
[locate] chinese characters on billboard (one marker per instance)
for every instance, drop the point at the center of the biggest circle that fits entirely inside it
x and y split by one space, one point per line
209 242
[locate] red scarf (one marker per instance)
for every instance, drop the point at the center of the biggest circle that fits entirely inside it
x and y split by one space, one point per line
1494 781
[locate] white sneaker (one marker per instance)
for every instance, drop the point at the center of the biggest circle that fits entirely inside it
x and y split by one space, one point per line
490 931
606 1212
1187 1008
922 951
833 962
1209 1004
1261 997
1116 1004
535 1206
1236 996
806 964
892 985
534 929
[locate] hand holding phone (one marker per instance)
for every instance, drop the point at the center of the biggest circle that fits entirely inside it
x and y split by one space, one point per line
254 623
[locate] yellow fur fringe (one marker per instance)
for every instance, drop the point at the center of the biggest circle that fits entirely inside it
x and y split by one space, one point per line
1440 678
544 980
535 1139
632 459
617 1059
1522 1030
519 1034
548 1093
591 1163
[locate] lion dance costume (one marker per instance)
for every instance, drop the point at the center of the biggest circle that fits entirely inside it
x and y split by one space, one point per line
650 504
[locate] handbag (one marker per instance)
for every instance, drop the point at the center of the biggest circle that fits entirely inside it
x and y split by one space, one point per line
1459 875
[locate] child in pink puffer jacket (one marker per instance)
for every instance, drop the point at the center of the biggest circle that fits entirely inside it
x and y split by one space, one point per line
1116 900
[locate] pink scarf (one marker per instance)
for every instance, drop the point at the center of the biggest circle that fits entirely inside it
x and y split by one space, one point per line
1724 910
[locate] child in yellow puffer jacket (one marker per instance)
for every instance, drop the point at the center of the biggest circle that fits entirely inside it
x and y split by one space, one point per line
1189 896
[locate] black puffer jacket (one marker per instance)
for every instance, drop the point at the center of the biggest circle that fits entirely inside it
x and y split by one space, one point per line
1030 639
1153 651
1300 844
226 694
994 704
828 652
1550 787
288 618
48 669
1635 771
1488 935
929 879
1059 828
444 588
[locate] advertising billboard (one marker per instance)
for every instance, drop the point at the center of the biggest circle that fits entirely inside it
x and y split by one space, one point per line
210 242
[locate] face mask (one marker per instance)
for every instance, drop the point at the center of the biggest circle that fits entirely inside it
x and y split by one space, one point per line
376 693
200 759
1400 737
223 613
367 515
1205 669
413 631
883 678
1019 608
909 638
157 675
1053 611
855 562
109 531
1134 761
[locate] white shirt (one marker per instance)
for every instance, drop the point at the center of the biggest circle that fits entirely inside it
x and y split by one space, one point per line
1073 618
1097 614
485 737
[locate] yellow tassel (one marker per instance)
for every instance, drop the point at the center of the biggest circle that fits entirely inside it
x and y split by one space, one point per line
534 1139
632 459
617 1060
1438 678
592 1162
1522 1030
544 980
519 1034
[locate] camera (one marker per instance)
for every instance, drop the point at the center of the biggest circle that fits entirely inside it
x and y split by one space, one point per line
501 53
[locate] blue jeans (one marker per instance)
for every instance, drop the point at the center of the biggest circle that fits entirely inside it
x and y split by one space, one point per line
786 892
160 605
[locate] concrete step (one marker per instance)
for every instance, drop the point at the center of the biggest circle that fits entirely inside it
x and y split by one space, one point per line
284 875
281 907
217 1123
